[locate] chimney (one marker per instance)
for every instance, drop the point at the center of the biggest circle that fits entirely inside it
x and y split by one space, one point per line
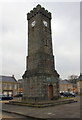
13 76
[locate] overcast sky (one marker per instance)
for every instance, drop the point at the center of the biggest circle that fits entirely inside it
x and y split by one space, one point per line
65 36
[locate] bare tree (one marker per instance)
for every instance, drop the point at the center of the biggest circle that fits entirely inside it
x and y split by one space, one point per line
73 78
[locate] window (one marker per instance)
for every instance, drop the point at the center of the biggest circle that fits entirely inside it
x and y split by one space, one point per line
15 86
5 85
78 84
10 86
15 93
46 42
0 86
5 93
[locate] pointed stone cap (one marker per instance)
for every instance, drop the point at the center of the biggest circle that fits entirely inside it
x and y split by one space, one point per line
38 9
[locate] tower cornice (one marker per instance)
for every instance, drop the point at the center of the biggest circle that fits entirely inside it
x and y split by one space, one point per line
36 10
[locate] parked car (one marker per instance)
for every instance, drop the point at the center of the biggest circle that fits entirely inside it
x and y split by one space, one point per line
72 94
62 93
19 95
3 97
67 94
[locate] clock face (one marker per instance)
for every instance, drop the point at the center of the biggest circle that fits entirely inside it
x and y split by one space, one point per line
45 23
33 23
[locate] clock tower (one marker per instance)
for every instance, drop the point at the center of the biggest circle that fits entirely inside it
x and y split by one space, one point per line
40 80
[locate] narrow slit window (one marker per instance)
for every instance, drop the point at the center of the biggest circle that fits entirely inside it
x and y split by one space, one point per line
46 42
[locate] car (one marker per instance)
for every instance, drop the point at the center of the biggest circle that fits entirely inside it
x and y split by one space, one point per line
72 94
62 93
4 97
67 94
19 95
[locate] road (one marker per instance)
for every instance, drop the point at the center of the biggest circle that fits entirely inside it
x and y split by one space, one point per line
66 111
16 117
11 115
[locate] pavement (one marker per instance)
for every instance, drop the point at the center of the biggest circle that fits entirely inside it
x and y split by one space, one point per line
71 110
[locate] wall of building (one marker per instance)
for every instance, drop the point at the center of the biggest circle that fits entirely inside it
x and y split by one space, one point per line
9 88
79 86
66 87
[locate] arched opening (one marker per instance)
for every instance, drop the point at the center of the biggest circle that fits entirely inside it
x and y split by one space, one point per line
50 92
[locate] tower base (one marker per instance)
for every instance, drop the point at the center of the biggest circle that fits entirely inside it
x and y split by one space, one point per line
40 87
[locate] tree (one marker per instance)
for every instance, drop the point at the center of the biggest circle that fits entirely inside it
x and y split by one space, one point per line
73 78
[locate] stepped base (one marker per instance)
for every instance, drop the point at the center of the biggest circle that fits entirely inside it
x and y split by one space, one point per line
42 104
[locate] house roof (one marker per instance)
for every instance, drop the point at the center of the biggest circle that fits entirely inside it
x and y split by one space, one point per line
7 79
80 77
64 82
20 80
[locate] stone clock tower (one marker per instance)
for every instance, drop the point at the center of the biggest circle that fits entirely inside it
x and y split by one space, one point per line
40 80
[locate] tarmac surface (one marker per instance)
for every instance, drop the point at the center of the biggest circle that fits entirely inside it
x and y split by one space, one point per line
71 110
11 115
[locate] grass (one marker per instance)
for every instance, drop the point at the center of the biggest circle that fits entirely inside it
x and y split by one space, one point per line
62 98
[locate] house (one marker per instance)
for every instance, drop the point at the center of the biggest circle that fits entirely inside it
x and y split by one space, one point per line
79 84
9 85
65 86
20 86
